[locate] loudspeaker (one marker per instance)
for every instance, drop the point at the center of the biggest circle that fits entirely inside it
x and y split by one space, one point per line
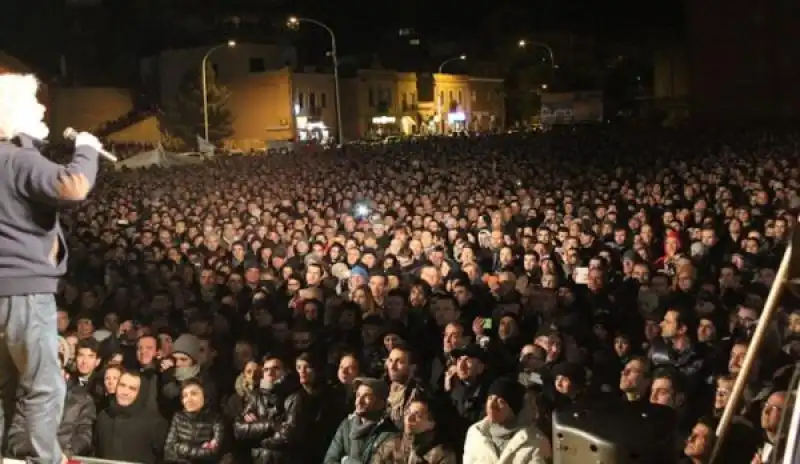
615 432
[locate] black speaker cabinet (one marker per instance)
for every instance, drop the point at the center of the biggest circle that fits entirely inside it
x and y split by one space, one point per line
615 432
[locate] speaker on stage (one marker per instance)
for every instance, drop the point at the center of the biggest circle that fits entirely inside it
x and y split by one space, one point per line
615 432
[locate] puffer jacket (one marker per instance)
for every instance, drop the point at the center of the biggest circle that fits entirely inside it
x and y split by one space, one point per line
413 450
278 434
187 434
74 432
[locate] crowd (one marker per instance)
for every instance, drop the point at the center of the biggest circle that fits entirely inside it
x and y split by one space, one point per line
429 302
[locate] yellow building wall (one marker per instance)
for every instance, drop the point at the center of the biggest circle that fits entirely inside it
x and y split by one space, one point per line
318 84
144 131
456 92
87 108
262 110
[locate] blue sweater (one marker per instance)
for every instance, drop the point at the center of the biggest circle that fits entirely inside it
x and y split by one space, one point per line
29 227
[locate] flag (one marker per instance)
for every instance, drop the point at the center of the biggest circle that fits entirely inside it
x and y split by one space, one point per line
204 146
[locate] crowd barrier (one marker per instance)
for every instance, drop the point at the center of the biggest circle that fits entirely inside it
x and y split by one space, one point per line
74 460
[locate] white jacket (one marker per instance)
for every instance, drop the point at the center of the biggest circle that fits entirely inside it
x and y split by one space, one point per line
528 446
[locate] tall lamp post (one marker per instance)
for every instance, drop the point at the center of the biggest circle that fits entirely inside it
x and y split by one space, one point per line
294 22
437 97
524 43
204 78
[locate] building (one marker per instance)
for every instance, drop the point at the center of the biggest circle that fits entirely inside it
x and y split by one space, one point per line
379 102
168 69
487 102
261 104
314 105
671 83
273 101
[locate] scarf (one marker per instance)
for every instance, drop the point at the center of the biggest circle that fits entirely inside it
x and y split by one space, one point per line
364 425
501 434
186 373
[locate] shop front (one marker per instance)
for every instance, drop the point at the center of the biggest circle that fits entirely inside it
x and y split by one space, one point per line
311 130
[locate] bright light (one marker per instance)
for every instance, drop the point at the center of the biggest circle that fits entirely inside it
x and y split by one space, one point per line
231 43
522 43
362 210
384 120
292 21
456 116
544 86
462 57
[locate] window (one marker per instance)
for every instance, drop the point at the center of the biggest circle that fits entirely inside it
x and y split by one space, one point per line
257 65
300 100
371 97
404 101
474 96
459 97
441 97
323 100
388 96
413 98
215 68
312 100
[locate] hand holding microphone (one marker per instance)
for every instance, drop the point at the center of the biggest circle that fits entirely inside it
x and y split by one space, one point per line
85 139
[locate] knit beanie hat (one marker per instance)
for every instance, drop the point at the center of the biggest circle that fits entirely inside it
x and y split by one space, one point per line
189 345
512 392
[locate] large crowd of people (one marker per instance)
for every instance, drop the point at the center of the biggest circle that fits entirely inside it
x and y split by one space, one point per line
427 302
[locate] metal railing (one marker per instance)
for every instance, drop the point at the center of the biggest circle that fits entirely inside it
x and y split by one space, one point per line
79 459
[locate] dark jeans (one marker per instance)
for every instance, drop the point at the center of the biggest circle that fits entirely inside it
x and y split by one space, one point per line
30 374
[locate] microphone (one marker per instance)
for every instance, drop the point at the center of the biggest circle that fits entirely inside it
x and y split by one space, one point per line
70 134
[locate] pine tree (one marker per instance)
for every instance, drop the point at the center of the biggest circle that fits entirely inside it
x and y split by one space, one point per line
182 120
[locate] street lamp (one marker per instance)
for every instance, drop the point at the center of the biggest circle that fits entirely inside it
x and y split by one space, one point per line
294 22
204 78
524 43
461 57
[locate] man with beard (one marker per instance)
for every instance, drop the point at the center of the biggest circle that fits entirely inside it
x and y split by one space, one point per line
403 386
361 434
33 256
276 419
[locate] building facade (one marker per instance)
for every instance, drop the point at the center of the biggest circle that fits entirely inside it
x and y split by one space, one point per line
262 110
168 69
314 105
385 102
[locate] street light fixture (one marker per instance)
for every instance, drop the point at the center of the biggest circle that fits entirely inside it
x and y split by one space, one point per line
461 57
204 78
293 22
524 43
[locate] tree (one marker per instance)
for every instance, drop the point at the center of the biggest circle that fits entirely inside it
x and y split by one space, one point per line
182 120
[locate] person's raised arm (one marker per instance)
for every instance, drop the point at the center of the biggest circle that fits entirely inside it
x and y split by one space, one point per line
41 180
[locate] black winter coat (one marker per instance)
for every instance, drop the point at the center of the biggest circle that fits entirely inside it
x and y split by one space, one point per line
278 435
74 432
134 433
187 434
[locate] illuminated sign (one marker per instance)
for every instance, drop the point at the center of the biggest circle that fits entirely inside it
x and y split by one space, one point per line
456 116
384 120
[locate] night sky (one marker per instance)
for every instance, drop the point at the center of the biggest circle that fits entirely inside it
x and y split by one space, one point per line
360 24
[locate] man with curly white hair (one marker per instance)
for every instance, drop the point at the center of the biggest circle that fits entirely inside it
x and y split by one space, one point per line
32 259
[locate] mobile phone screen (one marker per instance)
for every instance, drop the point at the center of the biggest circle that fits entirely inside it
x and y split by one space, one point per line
487 324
